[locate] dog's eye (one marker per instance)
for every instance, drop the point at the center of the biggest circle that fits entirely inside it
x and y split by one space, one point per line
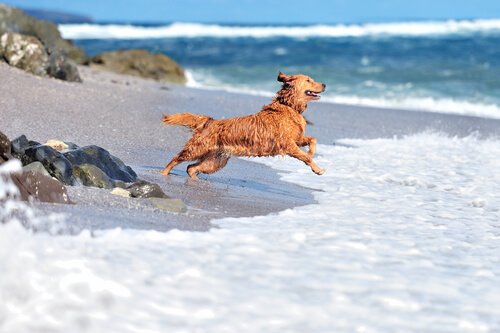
308 80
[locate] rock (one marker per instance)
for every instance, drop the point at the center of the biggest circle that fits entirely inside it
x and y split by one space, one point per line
24 52
140 63
90 175
5 148
28 53
14 20
36 167
121 192
112 166
60 67
19 145
54 162
57 145
40 187
144 189
169 205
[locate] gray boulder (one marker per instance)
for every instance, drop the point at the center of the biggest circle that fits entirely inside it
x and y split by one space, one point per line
24 52
112 166
140 63
28 53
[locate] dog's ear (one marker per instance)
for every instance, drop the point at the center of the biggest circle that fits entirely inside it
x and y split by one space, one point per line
283 77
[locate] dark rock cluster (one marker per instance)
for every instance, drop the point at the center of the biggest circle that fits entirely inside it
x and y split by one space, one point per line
32 184
64 163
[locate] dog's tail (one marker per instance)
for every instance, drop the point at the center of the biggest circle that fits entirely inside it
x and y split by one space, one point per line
193 121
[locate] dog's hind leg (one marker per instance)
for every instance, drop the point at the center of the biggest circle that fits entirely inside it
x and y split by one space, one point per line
306 158
311 142
210 163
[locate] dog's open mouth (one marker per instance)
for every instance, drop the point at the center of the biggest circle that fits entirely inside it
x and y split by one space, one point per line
313 94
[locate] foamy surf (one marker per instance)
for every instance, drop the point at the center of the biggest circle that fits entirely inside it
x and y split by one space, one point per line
404 238
191 30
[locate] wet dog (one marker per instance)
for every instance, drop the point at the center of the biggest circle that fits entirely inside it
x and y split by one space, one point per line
277 129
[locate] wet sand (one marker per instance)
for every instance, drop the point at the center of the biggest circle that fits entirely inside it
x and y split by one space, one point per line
123 115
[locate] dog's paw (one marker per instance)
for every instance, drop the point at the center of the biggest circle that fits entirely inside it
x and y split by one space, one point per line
165 173
319 171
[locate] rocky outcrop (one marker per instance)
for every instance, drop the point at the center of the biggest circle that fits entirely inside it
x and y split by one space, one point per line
14 20
140 63
29 54
24 52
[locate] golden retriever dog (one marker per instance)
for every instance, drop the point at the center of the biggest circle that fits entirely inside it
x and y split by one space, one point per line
278 129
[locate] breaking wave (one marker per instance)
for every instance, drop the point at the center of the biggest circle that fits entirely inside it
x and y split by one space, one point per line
191 30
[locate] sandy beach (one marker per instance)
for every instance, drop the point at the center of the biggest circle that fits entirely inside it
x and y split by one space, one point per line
122 114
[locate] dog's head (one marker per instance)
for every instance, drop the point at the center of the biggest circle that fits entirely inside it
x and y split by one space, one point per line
298 89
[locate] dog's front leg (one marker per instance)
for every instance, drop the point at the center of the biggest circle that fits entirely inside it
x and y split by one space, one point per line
311 142
306 158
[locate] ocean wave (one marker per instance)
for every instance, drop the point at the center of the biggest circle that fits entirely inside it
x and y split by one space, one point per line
191 30
428 104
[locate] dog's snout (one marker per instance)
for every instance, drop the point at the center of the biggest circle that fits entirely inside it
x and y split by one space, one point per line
324 85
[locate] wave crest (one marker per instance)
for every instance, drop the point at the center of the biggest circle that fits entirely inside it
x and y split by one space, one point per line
191 30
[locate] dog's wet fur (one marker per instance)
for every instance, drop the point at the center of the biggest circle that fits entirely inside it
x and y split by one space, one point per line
278 129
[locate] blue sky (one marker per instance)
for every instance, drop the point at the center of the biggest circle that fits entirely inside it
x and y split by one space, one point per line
269 11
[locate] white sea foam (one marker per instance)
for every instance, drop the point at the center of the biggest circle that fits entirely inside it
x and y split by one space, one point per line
405 237
106 31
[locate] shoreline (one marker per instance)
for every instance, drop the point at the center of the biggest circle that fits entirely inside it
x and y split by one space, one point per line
123 114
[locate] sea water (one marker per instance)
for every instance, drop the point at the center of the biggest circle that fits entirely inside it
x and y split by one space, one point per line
441 66
404 237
